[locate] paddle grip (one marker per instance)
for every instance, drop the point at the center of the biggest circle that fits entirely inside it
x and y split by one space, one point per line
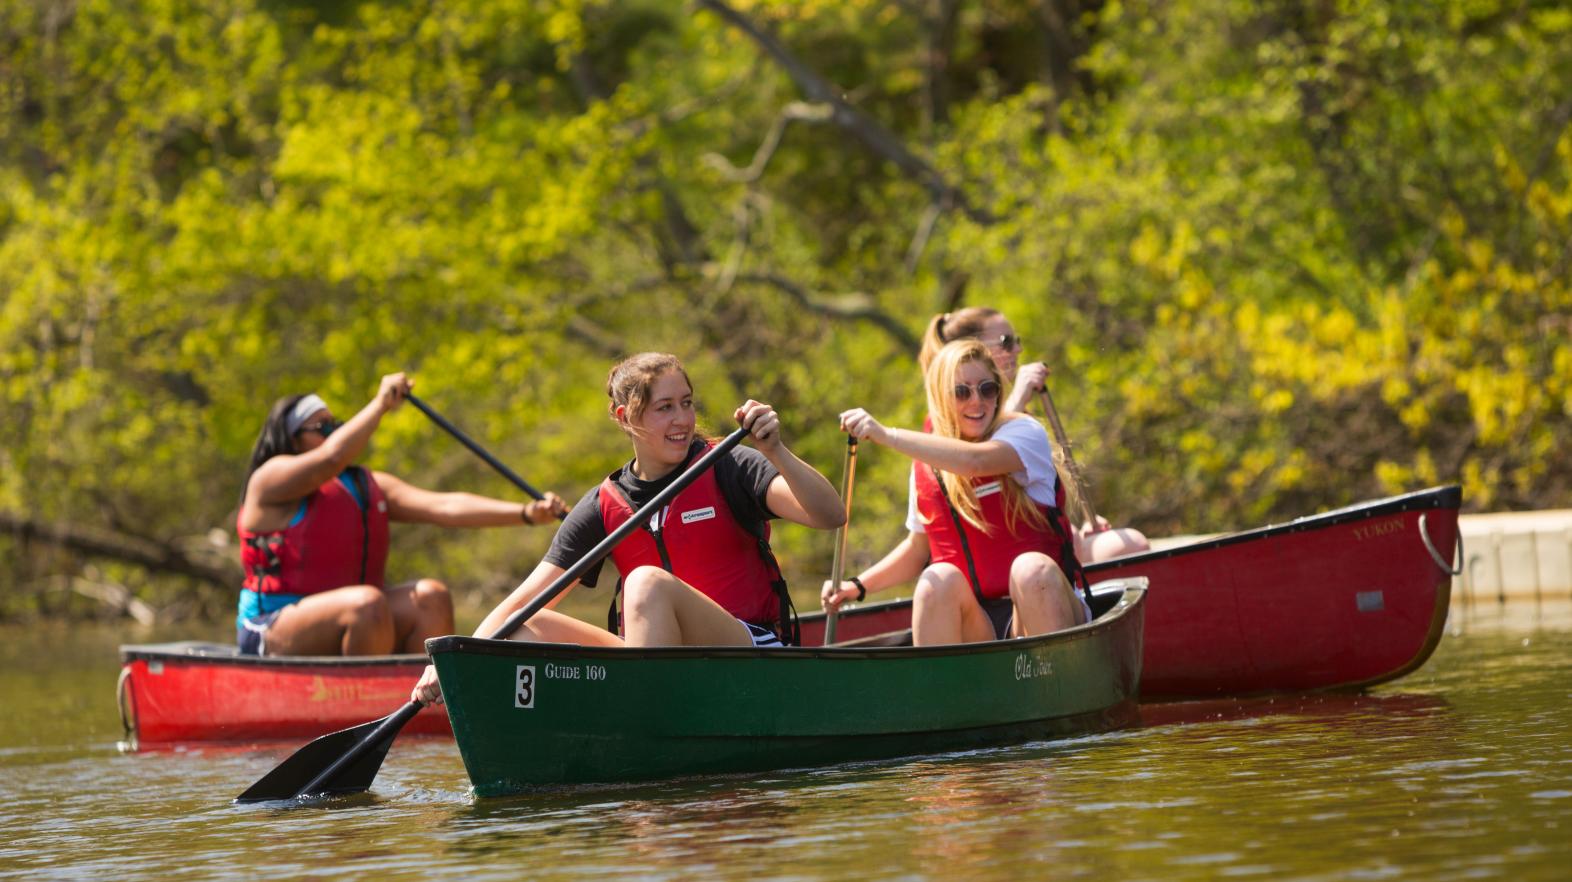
605 546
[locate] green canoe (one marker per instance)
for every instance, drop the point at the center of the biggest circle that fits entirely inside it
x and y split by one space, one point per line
529 714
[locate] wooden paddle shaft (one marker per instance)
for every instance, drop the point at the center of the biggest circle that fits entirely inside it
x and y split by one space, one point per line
1077 482
848 469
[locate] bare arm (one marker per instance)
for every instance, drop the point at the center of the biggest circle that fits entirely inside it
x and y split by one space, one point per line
800 494
285 479
406 502
968 459
902 564
537 581
547 625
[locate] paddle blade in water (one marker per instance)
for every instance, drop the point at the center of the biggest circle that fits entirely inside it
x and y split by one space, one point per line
293 777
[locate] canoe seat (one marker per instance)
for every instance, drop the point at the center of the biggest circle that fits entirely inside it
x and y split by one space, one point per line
889 638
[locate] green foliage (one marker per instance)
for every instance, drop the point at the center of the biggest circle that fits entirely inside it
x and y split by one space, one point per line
1280 257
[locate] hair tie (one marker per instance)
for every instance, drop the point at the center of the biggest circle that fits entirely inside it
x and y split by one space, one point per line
939 328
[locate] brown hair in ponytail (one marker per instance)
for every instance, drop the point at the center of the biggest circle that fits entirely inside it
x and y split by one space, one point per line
947 327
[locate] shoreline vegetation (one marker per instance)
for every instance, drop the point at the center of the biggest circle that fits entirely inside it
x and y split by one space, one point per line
1280 259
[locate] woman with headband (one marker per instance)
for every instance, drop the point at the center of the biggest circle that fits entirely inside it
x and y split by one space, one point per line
313 530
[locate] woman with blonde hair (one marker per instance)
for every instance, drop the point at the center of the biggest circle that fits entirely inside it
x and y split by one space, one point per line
985 508
1096 539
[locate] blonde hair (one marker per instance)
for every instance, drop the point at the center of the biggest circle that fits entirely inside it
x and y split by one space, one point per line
940 381
948 327
629 383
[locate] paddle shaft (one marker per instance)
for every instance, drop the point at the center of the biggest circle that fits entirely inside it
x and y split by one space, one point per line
479 451
1077 482
395 721
848 469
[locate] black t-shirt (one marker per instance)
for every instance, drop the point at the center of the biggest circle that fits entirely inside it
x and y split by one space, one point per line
743 476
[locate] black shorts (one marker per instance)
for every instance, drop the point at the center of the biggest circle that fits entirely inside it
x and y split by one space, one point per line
1001 611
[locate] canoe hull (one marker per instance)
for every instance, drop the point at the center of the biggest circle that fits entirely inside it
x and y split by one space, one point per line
177 693
1339 600
527 715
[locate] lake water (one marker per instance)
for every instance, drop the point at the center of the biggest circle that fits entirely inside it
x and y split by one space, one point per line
1462 770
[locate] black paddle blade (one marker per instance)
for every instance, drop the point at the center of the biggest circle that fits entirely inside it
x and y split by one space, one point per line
293 776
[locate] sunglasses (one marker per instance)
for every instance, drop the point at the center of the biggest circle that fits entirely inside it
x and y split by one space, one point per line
322 427
1007 342
987 390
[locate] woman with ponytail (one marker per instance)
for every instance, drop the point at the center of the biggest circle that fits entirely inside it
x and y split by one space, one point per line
700 572
986 508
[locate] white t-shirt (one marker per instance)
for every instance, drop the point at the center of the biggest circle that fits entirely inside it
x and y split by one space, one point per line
1030 441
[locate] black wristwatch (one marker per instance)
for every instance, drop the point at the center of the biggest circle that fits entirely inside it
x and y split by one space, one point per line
862 590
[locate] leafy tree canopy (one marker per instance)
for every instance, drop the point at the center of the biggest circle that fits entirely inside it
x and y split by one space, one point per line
1280 256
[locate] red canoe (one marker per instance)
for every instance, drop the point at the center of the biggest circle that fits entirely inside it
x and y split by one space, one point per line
1343 599
172 693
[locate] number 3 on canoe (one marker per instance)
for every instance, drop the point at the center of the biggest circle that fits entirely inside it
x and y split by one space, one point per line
525 696
347 761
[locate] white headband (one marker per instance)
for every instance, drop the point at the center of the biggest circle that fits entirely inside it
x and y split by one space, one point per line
304 408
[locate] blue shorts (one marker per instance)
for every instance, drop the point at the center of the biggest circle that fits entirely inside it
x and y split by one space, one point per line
251 634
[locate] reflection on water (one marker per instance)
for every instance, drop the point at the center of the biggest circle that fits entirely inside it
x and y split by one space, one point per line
1461 770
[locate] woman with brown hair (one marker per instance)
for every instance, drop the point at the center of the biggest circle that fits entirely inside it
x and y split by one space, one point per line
700 572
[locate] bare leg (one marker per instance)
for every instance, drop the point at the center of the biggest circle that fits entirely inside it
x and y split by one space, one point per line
421 609
550 626
1044 599
345 621
944 610
659 609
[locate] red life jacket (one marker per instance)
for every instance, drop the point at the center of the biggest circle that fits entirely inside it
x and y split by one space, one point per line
986 558
699 540
336 543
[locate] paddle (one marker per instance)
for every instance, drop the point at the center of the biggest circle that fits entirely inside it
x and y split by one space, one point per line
1076 481
346 761
848 470
1104 544
478 450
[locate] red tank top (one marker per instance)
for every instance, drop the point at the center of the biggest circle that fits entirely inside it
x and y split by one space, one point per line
698 539
336 543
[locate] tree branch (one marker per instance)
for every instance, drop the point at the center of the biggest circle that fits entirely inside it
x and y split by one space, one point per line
797 111
855 306
157 556
867 130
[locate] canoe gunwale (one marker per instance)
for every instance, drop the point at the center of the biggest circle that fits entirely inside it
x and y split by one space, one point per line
1449 496
196 652
1133 594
